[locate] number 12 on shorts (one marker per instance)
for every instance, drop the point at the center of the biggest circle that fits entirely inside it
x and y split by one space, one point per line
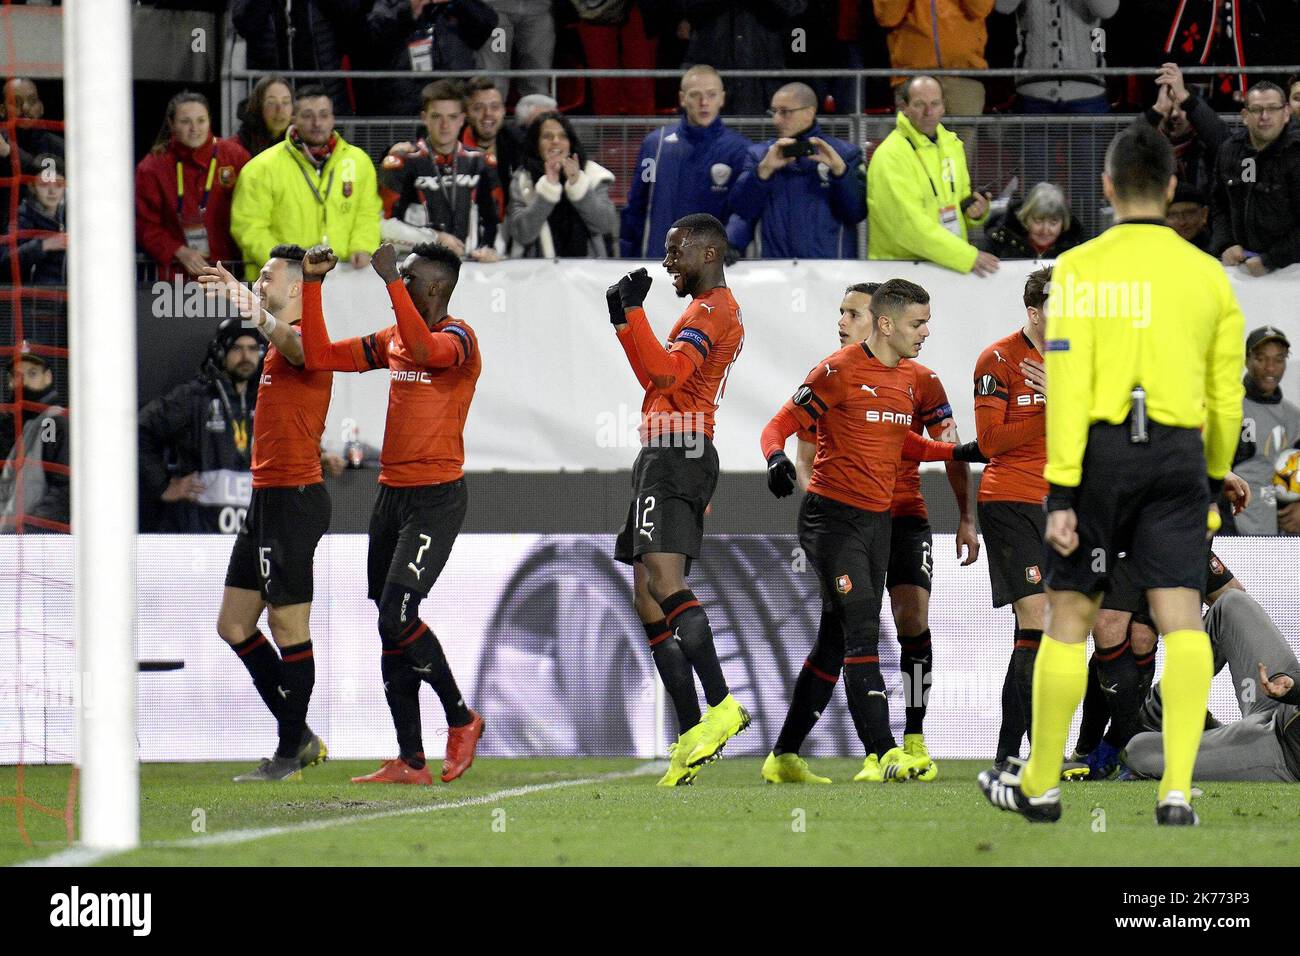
644 525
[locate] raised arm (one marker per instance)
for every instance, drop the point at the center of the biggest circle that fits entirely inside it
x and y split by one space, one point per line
319 353
430 349
667 369
246 303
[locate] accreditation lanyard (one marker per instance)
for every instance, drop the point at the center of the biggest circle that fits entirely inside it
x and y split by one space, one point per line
312 186
948 215
207 187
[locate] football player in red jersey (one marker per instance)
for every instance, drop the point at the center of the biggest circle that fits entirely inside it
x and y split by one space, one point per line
675 475
862 401
433 365
272 560
908 578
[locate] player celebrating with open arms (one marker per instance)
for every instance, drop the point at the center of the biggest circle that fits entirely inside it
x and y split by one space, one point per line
272 560
675 475
433 365
862 402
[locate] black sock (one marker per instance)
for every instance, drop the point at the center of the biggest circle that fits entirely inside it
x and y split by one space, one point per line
865 687
1146 665
263 663
675 671
1022 660
297 678
915 662
812 692
1096 712
402 691
423 653
1012 729
686 617
1122 683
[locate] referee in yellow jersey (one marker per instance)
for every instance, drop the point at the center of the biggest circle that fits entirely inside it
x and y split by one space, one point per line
1144 388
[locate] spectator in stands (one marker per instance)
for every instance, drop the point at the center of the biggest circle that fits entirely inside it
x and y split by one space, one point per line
438 190
41 259
528 108
196 441
742 36
1189 216
183 190
947 34
527 42
423 36
304 35
804 187
1059 37
22 97
919 191
1192 127
1293 84
43 432
1269 426
687 167
1256 199
615 36
1038 227
266 114
312 188
559 199
486 129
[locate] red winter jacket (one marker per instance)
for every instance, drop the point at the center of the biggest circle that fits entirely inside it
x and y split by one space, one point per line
157 225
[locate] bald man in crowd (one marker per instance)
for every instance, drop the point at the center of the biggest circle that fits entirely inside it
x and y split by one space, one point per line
802 191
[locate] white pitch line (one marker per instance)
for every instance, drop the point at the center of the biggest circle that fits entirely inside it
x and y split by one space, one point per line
78 856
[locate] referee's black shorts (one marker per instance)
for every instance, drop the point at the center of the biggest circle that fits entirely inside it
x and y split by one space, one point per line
412 531
1125 596
672 484
275 549
1149 500
848 547
1013 546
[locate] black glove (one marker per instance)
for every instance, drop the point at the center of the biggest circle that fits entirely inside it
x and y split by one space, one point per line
616 314
781 476
633 287
731 256
969 451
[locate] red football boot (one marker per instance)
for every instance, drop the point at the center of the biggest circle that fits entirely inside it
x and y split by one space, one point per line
398 771
461 742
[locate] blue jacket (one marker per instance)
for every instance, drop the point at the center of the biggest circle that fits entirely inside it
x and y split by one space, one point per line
682 169
806 212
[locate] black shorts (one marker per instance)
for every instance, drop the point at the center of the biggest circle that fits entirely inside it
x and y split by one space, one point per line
274 550
412 531
849 550
1013 545
910 547
671 487
1149 500
1125 596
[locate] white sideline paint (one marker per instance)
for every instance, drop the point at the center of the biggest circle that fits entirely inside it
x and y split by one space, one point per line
79 856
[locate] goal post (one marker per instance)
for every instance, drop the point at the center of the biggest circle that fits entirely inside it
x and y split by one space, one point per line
102 328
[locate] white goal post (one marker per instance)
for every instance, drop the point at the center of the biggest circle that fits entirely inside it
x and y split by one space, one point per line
101 299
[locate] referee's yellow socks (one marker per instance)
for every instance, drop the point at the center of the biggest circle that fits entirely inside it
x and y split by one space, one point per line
1060 678
1184 692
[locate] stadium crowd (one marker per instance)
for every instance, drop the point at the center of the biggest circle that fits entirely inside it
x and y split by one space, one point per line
490 182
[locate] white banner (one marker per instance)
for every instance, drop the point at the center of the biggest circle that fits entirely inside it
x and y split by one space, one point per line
540 633
556 392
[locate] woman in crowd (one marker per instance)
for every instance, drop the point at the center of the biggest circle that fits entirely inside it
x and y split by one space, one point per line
184 188
1038 227
266 114
41 259
559 199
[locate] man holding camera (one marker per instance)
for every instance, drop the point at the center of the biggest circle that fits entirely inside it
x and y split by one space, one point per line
804 186
919 189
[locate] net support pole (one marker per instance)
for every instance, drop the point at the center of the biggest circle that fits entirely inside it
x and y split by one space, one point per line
97 65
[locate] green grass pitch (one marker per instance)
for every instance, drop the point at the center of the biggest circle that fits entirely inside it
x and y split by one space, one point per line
608 812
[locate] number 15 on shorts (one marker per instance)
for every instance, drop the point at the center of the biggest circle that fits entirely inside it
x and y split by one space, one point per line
264 563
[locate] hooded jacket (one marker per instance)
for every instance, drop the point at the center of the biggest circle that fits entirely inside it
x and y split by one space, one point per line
531 205
158 226
803 212
284 198
1261 212
681 169
907 190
